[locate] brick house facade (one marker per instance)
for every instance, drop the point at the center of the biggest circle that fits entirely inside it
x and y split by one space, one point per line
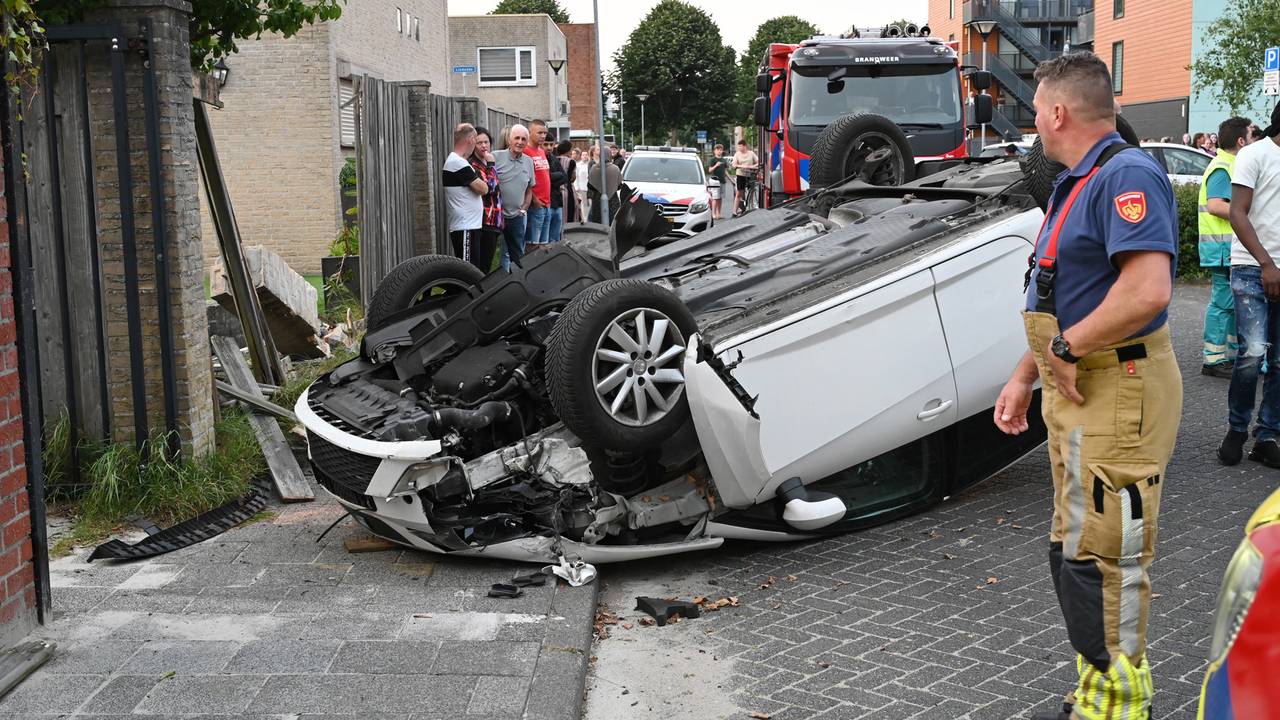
18 614
282 135
530 40
580 41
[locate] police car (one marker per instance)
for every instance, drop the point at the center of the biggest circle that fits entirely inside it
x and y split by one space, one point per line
673 180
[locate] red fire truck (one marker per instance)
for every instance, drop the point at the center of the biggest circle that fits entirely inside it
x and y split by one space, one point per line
910 79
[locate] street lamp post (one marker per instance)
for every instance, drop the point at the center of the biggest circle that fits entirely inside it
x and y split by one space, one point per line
556 64
604 194
984 28
642 98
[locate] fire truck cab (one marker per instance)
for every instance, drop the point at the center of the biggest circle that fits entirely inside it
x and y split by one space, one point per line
912 81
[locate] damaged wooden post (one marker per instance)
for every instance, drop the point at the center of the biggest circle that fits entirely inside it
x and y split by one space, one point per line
291 484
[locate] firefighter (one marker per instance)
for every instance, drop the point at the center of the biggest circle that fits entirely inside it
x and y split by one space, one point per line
1097 327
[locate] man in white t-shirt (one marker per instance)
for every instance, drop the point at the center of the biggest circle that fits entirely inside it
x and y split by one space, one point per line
1255 287
464 191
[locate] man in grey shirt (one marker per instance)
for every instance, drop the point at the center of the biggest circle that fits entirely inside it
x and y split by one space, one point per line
515 182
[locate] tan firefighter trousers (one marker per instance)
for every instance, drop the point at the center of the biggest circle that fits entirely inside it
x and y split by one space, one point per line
1108 458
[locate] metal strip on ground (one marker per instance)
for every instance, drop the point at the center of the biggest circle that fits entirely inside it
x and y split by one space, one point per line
189 532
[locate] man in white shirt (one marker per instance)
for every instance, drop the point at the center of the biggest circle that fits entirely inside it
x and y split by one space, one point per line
1255 287
464 191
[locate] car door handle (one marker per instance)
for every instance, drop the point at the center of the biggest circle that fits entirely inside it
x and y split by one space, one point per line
927 415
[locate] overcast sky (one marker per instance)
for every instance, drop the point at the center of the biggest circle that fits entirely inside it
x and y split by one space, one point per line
737 19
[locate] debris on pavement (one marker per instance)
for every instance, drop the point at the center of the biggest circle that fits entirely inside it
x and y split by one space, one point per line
768 583
710 605
576 573
505 590
664 610
760 716
369 544
538 578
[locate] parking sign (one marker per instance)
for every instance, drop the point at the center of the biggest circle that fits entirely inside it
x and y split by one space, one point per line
1272 59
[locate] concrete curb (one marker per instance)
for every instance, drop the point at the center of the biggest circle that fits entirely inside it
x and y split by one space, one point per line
556 691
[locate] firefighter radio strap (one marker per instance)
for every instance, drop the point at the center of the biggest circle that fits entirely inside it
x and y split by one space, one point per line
1046 267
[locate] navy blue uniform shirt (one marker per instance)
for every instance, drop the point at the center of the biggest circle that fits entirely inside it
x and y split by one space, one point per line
1128 205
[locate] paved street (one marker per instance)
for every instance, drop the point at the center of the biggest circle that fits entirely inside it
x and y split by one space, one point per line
263 622
948 614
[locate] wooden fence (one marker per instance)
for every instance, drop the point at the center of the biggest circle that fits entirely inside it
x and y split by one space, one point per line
403 135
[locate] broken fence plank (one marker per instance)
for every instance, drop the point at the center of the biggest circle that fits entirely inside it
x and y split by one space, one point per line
255 402
369 544
291 484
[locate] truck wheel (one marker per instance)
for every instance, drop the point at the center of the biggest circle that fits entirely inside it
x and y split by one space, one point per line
614 364
1041 172
861 146
417 279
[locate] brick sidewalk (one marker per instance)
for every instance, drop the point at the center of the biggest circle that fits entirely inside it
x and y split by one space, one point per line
263 622
901 622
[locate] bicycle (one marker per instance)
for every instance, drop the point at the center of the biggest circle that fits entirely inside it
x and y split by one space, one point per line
748 197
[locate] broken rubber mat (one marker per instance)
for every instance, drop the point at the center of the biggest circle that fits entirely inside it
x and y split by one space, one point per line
189 532
663 610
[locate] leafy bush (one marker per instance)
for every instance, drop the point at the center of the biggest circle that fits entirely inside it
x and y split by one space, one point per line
347 242
1187 197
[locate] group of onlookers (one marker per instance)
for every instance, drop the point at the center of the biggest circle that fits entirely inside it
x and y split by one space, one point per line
1239 226
524 193
744 164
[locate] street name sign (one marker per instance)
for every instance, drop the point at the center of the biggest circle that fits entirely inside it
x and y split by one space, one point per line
464 69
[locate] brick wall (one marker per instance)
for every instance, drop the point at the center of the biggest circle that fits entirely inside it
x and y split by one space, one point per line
1155 63
17 575
580 41
277 140
367 38
466 34
182 242
942 24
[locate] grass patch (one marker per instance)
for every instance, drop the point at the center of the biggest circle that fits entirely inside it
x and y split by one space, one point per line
119 481
317 282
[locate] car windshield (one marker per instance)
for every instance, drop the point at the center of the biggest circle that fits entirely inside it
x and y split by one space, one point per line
906 94
675 170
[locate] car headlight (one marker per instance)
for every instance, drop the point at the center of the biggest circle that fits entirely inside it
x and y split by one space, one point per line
1239 587
698 207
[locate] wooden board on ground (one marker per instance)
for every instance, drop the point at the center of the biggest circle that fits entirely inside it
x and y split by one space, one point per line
369 544
256 403
291 484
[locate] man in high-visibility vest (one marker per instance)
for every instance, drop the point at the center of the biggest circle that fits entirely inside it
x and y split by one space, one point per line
1215 248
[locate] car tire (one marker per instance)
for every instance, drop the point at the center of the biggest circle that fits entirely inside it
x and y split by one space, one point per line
842 148
1041 172
410 281
588 348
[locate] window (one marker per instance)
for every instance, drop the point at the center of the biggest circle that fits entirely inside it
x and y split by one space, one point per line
1117 67
399 21
347 112
1185 162
951 9
506 66
1117 9
416 36
951 37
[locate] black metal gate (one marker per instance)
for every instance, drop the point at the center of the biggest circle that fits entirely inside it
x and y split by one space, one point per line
71 174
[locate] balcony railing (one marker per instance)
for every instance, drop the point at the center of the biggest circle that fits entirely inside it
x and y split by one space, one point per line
1017 114
1084 29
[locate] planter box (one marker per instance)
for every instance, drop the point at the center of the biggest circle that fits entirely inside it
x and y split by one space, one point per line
349 266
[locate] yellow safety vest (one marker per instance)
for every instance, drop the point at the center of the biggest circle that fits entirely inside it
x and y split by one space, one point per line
1215 233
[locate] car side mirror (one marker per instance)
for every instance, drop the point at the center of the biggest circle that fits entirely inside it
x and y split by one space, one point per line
761 111
764 81
980 80
983 110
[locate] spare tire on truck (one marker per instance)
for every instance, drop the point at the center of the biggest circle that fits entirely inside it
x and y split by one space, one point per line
418 279
861 146
1041 172
614 365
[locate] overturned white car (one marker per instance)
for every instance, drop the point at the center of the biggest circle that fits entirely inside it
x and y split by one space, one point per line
802 370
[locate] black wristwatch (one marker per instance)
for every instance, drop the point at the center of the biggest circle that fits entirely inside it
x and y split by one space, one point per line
1062 349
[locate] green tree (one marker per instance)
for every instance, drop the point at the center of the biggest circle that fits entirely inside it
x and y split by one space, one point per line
1231 71
217 24
532 7
782 29
677 57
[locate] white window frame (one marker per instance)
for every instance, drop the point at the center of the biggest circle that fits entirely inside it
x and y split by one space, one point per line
517 49
399 21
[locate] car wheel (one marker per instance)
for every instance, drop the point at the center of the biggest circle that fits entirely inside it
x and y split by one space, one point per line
415 280
861 146
1041 172
614 364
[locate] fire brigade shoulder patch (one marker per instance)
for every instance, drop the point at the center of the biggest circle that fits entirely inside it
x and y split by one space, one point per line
1132 206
